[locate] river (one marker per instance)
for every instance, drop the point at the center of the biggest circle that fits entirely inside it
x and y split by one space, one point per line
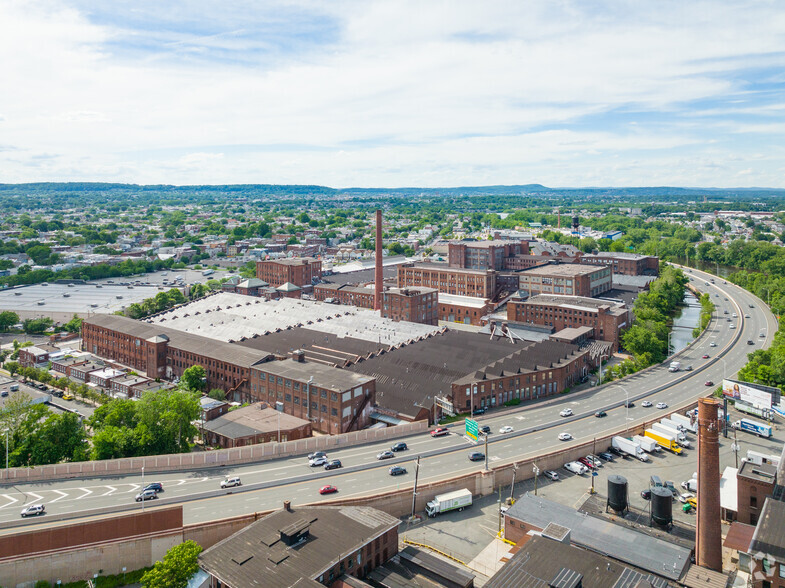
685 320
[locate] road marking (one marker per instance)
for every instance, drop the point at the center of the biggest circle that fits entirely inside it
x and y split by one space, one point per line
38 497
86 493
62 495
11 498
181 482
520 418
506 446
111 489
199 508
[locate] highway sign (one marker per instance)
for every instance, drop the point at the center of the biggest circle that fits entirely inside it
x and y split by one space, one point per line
472 429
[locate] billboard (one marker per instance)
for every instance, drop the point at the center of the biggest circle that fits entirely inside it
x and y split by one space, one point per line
753 394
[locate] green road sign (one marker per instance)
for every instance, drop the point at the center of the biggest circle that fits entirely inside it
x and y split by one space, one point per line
472 429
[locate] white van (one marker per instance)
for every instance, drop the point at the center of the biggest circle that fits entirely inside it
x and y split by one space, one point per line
576 468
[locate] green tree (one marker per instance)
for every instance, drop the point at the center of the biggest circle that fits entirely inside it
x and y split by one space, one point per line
12 367
7 320
178 565
38 325
217 394
42 439
74 325
194 378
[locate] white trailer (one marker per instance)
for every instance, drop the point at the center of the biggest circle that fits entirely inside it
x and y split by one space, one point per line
457 500
647 444
680 437
684 421
629 447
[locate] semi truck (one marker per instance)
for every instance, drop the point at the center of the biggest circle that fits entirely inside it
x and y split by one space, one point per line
684 421
675 366
677 435
457 500
761 413
648 445
760 429
663 440
629 447
760 458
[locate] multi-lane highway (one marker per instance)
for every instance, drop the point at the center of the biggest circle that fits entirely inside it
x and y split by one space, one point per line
536 429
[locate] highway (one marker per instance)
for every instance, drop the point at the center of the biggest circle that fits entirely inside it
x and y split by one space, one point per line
536 429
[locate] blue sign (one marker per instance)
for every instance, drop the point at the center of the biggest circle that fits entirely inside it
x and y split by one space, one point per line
595 474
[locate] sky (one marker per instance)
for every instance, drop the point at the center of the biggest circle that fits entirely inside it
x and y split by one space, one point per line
391 94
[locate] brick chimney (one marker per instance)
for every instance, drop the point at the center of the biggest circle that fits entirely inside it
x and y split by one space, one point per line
708 545
378 279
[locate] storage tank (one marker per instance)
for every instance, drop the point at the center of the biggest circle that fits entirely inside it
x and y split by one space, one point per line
617 494
661 507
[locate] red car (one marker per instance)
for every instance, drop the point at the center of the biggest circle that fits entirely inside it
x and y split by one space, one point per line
587 463
328 490
439 431
705 356
709 383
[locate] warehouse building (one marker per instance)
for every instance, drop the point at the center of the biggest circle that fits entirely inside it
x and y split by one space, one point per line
572 279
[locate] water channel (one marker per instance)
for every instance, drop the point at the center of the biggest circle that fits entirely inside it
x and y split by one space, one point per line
684 321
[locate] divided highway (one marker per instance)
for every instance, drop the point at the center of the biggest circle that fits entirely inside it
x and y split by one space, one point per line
535 432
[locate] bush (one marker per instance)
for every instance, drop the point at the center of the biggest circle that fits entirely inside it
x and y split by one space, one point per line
42 584
513 402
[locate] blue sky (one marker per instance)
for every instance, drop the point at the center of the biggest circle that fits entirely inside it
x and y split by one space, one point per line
367 93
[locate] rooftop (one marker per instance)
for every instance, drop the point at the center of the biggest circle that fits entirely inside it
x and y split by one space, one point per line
324 534
252 420
618 255
623 544
769 536
562 269
290 261
323 376
764 472
575 302
445 268
458 300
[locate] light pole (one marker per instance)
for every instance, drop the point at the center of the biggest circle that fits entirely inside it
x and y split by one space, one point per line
606 357
724 367
768 297
143 501
536 472
735 447
627 407
670 334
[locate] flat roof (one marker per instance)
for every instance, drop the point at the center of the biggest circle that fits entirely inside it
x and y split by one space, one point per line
252 420
458 300
80 300
631 547
323 376
574 302
764 472
573 332
439 267
618 255
561 269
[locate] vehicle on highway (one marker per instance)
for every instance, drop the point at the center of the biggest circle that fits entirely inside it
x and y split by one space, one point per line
646 404
155 486
630 404
328 490
705 356
564 436
684 497
439 432
316 454
752 306
762 335
385 455
333 464
485 430
400 446
576 467
607 456
734 315
600 413
662 405
750 342
709 383
317 461
476 456
551 475
146 495
397 470
33 510
4 393
731 326
725 312
646 494
231 482
746 316
712 344
688 368
566 412
505 429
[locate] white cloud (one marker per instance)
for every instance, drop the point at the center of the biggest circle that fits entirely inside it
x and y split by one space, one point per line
405 94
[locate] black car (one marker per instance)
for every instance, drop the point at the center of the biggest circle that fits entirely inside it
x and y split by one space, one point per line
476 456
606 456
480 410
616 451
397 470
630 404
600 413
156 486
400 446
646 494
333 464
750 342
57 393
485 430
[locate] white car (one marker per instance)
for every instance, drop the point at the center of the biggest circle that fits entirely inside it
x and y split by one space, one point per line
33 510
564 436
576 468
231 482
712 344
684 496
645 404
566 412
505 429
317 461
662 405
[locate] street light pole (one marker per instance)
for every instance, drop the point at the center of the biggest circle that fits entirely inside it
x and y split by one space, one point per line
627 406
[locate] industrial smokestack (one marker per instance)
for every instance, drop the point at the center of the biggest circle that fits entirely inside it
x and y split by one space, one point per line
708 546
377 299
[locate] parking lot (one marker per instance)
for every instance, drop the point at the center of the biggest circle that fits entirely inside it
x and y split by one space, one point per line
83 409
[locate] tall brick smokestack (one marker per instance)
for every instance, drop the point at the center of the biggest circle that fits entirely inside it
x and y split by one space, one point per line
708 546
377 280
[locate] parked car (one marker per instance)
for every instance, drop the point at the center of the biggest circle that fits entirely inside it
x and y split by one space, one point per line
662 405
33 510
146 495
595 460
646 404
672 487
616 451
154 486
564 436
693 502
316 454
551 475
317 461
400 446
480 410
328 490
333 464
576 468
600 413
566 412
397 470
476 456
231 482
439 432
588 463
505 429
385 455
68 396
684 497
646 494
605 455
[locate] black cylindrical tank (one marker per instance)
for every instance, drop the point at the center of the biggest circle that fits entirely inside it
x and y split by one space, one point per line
662 506
617 492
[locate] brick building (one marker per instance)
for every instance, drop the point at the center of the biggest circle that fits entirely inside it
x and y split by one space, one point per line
303 546
300 271
447 280
344 294
569 278
484 255
539 369
38 356
416 305
754 482
257 423
562 312
631 264
463 309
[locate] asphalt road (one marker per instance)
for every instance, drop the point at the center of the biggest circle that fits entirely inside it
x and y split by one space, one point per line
536 428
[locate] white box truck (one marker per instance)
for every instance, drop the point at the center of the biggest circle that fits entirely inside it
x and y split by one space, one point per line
680 437
684 421
674 367
629 447
457 500
760 429
647 444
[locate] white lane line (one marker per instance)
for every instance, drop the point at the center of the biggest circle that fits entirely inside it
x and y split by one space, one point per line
11 498
198 508
134 487
62 495
86 493
37 497
506 446
181 482
111 489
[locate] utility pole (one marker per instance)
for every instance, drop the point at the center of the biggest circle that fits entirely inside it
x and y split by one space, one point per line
735 448
536 472
500 509
416 476
486 452
512 486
